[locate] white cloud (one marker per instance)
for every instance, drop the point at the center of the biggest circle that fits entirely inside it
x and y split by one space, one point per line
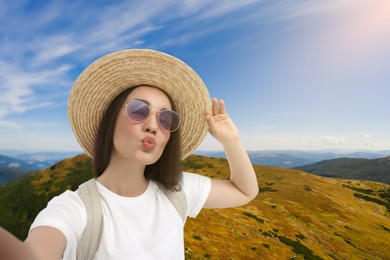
14 165
51 48
210 9
9 124
295 9
18 89
332 140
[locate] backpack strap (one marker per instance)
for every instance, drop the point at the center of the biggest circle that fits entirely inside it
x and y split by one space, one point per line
178 200
90 240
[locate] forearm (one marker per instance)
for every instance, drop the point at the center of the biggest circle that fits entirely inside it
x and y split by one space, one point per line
13 248
242 174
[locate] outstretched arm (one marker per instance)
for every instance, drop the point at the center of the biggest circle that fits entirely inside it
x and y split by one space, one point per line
42 243
242 186
46 242
13 248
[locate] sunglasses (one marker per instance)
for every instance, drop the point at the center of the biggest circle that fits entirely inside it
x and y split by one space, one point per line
137 111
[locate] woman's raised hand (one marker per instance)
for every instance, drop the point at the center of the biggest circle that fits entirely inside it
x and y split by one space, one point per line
220 125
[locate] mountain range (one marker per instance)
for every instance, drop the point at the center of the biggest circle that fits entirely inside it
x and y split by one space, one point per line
15 163
352 168
295 158
296 215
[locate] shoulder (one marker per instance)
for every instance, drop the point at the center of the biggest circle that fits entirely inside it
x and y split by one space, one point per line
193 181
65 206
196 189
68 200
191 178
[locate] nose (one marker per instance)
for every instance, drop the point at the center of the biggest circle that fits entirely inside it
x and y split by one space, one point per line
151 123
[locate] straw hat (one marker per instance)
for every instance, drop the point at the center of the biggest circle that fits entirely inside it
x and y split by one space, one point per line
110 75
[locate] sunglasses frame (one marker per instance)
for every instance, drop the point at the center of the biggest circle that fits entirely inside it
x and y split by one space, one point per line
157 115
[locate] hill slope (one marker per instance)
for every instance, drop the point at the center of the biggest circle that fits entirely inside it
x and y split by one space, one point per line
294 212
351 168
296 215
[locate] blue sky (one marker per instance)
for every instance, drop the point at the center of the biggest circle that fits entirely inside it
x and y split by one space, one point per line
294 74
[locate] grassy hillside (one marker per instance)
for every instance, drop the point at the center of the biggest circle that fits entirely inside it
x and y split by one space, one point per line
352 168
295 215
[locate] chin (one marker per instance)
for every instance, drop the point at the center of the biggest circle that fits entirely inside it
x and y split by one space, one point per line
151 158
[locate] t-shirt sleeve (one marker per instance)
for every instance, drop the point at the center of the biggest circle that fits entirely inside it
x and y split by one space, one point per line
196 188
66 213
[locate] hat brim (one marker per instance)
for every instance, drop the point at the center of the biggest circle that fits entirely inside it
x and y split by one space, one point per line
107 77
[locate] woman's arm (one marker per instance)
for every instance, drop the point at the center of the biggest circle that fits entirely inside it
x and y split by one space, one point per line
242 186
47 243
43 243
13 248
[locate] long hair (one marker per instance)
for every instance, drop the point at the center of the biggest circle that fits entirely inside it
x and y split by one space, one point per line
167 170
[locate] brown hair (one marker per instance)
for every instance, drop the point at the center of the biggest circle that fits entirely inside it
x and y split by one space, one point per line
167 170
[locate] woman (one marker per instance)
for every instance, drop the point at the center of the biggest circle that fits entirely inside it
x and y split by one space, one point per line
138 113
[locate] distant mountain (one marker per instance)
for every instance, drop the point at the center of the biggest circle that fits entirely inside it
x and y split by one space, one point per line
295 158
49 158
295 215
283 160
10 162
352 168
39 160
11 167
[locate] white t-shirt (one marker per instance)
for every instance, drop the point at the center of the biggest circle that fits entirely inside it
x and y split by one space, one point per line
143 227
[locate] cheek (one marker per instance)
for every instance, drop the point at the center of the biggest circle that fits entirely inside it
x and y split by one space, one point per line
123 129
165 138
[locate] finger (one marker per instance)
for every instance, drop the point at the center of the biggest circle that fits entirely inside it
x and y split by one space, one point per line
215 106
222 107
210 121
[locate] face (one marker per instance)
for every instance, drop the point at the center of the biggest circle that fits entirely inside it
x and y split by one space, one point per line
142 142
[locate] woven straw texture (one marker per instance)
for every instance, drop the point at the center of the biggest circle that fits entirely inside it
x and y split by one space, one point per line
110 75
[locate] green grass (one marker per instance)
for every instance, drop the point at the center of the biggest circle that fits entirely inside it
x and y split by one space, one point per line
299 248
267 189
261 221
365 191
371 199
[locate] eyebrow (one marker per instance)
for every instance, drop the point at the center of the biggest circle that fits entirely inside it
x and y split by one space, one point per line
148 103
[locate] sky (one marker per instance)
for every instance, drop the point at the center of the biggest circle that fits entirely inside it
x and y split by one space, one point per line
304 75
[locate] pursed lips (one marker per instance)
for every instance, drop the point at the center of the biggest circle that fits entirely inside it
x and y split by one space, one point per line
149 142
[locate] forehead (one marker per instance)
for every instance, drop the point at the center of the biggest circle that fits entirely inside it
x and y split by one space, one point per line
154 96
